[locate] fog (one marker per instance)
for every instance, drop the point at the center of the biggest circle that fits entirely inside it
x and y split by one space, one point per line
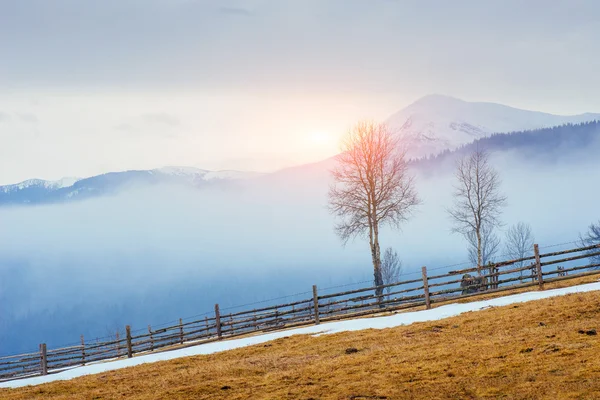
151 255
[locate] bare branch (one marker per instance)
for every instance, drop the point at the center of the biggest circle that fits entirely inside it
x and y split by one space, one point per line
592 237
519 243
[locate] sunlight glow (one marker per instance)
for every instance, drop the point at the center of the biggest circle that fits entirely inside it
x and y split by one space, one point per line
320 138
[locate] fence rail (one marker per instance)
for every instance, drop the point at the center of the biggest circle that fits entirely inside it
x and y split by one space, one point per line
506 275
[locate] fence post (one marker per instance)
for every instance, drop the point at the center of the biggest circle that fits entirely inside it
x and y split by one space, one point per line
426 287
129 348
82 351
218 320
316 305
538 266
181 330
494 273
43 359
151 338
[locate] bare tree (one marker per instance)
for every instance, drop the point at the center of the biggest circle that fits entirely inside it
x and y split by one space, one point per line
591 238
477 199
391 268
519 243
371 188
116 332
490 244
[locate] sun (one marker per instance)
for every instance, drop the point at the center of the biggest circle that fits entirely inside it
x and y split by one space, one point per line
319 138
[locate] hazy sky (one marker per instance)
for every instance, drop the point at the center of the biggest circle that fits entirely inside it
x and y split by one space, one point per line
91 86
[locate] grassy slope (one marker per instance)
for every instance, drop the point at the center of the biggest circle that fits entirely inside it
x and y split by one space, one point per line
530 350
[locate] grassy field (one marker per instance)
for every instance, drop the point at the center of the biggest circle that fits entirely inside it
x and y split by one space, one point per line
544 349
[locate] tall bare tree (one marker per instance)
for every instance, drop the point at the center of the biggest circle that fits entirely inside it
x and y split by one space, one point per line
477 199
371 188
519 243
391 268
592 237
490 244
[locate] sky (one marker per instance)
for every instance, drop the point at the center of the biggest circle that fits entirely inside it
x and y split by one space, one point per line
89 86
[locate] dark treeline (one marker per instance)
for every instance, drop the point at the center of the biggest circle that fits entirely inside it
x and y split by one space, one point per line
539 143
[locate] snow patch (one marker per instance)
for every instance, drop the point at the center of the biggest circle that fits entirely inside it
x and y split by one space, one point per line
63 183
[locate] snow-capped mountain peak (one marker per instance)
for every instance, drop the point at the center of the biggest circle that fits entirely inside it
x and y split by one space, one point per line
436 122
58 184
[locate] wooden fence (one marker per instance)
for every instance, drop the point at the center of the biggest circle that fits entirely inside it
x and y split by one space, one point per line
422 292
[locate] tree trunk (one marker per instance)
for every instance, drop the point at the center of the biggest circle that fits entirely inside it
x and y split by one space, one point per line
376 256
479 255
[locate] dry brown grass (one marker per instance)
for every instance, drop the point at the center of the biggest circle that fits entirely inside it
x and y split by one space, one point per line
524 351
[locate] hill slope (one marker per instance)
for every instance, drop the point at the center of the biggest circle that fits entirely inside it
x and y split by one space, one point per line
538 349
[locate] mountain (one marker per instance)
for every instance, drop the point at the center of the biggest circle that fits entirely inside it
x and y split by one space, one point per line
38 191
432 125
436 123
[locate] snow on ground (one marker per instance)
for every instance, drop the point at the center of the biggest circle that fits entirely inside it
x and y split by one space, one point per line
391 321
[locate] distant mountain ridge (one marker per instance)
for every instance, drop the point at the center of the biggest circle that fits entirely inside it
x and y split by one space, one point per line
61 183
38 191
436 123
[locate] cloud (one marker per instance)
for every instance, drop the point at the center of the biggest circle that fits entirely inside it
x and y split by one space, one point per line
125 127
308 45
157 124
161 119
25 117
4 117
236 11
28 118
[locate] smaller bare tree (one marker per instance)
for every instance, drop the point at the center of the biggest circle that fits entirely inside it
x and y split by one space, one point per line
477 200
391 268
490 244
591 238
519 243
